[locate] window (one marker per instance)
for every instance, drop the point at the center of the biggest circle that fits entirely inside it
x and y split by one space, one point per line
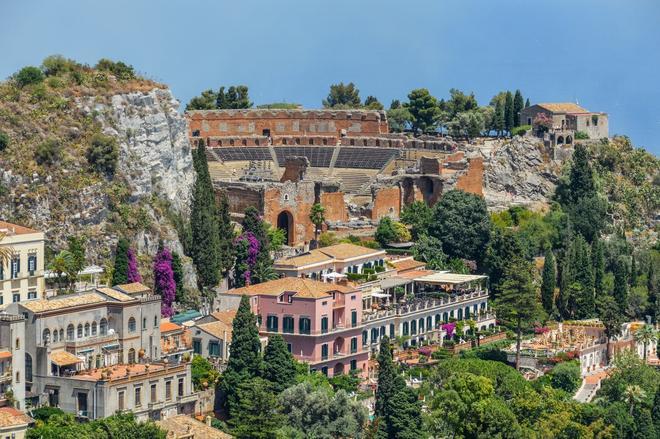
374 335
154 393
289 347
460 314
138 396
61 334
391 330
168 390
156 321
354 345
94 327
305 325
181 387
131 325
120 400
197 346
324 351
69 332
79 332
32 264
272 323
324 324
405 328
55 338
413 327
214 349
353 364
16 297
365 338
32 294
287 324
46 336
421 325
354 319
429 323
15 266
87 329
104 327
131 356
324 370
144 323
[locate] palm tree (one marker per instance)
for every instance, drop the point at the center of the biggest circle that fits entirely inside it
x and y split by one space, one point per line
317 217
634 394
646 335
6 252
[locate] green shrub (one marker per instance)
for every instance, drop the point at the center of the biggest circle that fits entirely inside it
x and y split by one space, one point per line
103 154
120 70
55 82
4 140
29 75
379 268
521 130
581 135
48 152
55 65
566 376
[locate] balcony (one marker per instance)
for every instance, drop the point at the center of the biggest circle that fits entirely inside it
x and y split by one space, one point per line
93 340
187 398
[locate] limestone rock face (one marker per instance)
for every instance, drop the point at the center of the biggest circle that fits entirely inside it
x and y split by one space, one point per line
519 171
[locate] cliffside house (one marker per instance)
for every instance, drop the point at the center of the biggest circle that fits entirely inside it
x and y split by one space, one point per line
567 120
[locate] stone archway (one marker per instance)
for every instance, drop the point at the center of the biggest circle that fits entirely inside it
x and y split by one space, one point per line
560 140
285 222
338 369
569 140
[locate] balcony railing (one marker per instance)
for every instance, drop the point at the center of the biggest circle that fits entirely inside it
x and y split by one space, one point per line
423 305
95 339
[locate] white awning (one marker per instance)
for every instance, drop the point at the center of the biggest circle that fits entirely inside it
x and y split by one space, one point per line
450 278
334 275
382 295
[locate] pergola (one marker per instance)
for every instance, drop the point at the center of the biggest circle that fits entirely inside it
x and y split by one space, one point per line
453 281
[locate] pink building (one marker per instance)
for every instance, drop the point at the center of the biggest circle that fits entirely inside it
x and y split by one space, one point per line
321 322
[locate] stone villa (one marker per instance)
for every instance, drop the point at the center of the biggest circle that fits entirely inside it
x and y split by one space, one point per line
567 120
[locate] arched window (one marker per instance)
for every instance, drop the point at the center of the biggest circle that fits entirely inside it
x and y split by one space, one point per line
28 367
405 328
460 314
421 325
131 325
55 336
374 335
437 320
392 330
156 321
365 337
79 332
382 331
467 312
61 334
87 329
46 336
413 327
445 317
103 327
429 323
131 356
94 328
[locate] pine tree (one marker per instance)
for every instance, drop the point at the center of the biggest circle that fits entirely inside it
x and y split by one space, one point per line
518 105
245 359
177 271
279 366
621 284
499 121
204 225
517 304
549 282
599 267
120 270
227 253
508 112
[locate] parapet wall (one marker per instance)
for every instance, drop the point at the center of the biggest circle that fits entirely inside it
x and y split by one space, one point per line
269 122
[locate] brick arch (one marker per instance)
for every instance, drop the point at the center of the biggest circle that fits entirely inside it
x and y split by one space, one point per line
285 222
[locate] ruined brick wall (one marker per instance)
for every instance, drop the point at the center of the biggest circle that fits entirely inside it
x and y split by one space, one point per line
472 180
256 122
241 197
430 165
335 206
295 200
295 169
386 202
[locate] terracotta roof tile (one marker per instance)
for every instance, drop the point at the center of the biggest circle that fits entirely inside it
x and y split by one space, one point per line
63 302
185 426
117 295
311 257
169 326
217 329
348 251
563 107
64 358
407 264
14 229
11 417
413 274
303 287
133 288
226 317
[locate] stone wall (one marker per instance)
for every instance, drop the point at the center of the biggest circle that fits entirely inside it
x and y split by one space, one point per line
386 202
295 169
335 206
472 180
293 200
272 122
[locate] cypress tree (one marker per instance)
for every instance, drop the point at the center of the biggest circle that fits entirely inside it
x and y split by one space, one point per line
527 104
633 273
599 266
389 381
621 284
549 282
120 270
652 286
203 219
508 112
279 366
518 105
177 269
227 252
405 419
500 118
245 359
583 274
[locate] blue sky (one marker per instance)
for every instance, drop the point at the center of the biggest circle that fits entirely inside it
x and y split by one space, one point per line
603 53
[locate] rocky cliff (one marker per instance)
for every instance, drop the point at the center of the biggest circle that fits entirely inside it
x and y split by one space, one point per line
60 194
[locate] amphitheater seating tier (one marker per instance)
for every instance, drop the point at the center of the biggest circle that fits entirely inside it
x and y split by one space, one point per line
364 158
319 156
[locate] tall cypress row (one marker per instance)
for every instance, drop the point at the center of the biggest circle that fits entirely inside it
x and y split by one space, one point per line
508 112
227 252
621 284
204 225
120 269
599 266
549 282
518 105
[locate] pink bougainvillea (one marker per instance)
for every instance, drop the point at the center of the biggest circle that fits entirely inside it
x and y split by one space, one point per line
133 272
541 330
449 329
164 284
248 250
